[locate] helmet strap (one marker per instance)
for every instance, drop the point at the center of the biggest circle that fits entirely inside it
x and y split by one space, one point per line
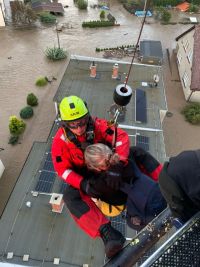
89 135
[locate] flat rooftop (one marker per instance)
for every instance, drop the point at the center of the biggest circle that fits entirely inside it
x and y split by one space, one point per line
36 236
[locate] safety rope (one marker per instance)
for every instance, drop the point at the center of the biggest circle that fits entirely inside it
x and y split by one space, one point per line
146 6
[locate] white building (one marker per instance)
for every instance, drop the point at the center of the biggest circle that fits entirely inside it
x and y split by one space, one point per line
188 61
2 13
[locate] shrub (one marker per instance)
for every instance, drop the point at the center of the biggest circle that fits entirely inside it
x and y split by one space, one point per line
97 23
165 16
26 112
46 17
42 81
13 140
82 4
102 14
193 8
192 113
32 100
16 126
55 53
22 13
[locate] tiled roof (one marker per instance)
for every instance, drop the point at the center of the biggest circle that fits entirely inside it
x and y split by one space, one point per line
50 7
195 79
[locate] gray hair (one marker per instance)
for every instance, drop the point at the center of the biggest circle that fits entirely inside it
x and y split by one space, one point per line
97 153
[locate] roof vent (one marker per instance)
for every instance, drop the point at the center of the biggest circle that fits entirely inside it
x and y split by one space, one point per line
10 255
28 204
93 70
56 202
25 257
115 71
56 261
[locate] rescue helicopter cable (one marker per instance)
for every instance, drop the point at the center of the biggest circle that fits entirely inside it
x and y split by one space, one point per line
146 6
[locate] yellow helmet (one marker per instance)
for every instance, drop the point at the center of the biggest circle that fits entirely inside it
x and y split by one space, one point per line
72 108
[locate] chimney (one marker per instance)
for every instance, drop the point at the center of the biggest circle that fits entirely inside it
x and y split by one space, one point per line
93 70
115 71
57 202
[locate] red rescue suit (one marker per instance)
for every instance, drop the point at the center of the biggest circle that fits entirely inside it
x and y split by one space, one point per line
67 156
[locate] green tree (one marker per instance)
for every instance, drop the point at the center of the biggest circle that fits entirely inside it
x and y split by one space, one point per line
102 14
26 112
193 8
46 17
22 13
165 16
82 4
32 100
41 81
192 113
16 126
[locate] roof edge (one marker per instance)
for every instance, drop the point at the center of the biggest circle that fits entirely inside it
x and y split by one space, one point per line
184 33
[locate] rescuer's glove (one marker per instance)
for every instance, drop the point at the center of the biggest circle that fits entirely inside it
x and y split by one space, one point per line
114 176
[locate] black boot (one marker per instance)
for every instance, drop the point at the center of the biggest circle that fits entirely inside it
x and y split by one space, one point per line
113 239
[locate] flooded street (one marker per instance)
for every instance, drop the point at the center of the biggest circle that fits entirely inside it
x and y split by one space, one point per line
83 41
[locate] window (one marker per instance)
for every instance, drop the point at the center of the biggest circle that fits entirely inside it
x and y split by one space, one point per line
189 56
179 58
185 79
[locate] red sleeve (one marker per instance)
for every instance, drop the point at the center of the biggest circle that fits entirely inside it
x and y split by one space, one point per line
146 162
155 174
62 163
105 132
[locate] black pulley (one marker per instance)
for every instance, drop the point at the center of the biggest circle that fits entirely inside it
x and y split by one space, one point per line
122 94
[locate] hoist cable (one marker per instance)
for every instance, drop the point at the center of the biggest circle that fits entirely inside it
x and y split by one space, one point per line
146 6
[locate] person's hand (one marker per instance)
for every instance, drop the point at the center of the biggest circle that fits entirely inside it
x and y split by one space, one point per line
114 176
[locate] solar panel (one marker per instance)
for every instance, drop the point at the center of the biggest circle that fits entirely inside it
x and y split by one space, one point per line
63 187
44 186
47 176
143 142
49 157
140 106
46 181
48 165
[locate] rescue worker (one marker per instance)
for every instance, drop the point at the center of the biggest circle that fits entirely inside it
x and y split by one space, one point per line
138 192
179 182
78 130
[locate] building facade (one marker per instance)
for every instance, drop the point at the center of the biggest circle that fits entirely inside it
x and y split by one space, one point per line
2 13
188 57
